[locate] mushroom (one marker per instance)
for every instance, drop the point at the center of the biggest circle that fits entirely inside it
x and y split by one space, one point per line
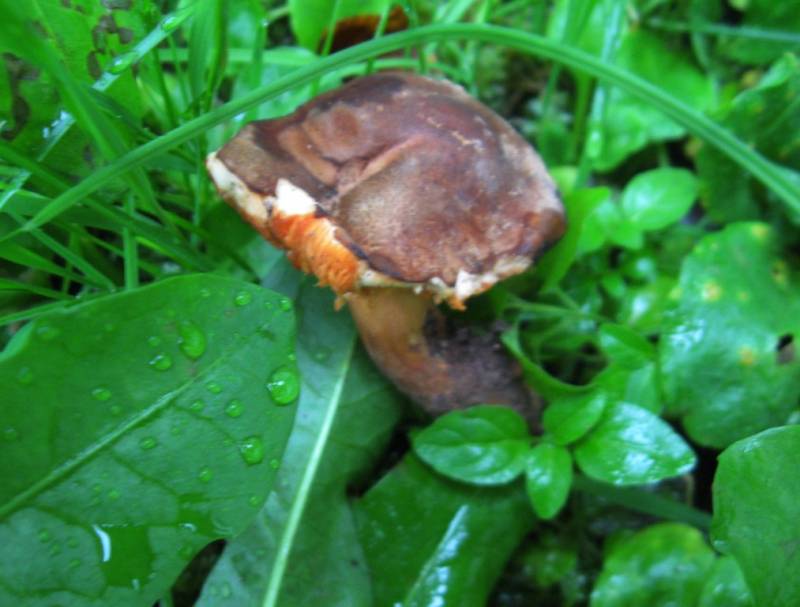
402 192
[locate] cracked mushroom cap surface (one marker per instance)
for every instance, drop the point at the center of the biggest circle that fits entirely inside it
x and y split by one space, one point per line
394 179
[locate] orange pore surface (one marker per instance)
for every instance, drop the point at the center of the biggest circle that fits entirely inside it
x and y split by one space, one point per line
313 248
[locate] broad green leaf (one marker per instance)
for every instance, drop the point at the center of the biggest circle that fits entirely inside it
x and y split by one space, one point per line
548 477
570 417
761 15
666 564
345 415
430 541
721 366
138 428
655 199
725 586
630 445
629 125
484 445
311 18
756 493
768 117
556 262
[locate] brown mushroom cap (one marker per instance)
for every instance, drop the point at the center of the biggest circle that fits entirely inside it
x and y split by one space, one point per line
394 179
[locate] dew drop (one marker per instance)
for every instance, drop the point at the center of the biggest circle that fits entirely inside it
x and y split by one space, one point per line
322 354
47 332
192 341
285 304
253 500
292 356
115 409
101 394
97 488
205 293
252 450
243 298
147 443
72 542
283 386
274 463
74 563
10 434
213 387
205 474
235 408
25 376
56 549
113 494
197 405
122 62
154 340
171 23
226 590
44 536
110 327
161 362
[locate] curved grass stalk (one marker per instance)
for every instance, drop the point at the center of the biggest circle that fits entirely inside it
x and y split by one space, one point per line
771 175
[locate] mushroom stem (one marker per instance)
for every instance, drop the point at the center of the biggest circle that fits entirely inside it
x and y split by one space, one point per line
440 368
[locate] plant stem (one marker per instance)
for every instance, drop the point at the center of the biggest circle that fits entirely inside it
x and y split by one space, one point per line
645 502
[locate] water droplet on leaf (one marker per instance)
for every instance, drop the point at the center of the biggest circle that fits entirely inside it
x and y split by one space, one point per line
47 332
252 450
161 362
274 463
205 474
101 394
25 376
147 443
154 340
285 304
44 536
284 386
235 408
213 387
113 494
192 341
197 405
122 62
243 298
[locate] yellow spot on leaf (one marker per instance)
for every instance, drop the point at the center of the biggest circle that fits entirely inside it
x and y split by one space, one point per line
711 291
747 357
760 231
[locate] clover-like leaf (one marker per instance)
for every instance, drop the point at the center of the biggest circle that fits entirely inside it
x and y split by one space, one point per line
548 477
485 445
630 445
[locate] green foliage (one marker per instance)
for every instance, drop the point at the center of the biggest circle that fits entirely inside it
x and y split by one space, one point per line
345 414
485 445
137 425
631 445
756 490
138 428
418 529
722 368
666 564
